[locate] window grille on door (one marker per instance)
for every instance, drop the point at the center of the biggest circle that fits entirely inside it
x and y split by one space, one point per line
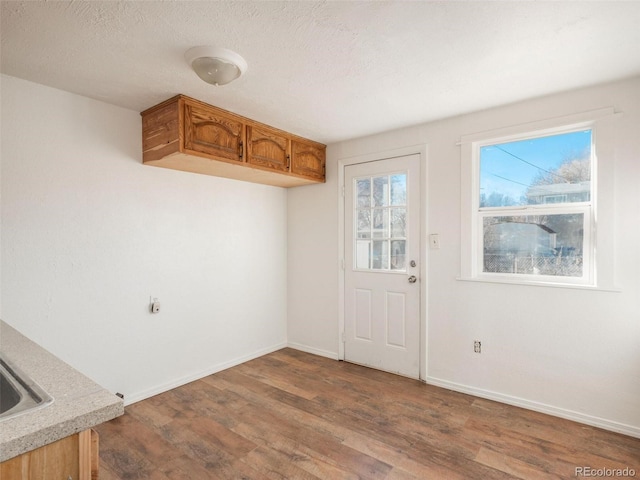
381 226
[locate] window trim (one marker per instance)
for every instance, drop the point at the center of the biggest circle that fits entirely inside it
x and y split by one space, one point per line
598 268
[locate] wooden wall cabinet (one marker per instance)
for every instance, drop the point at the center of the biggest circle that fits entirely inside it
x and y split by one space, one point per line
74 457
268 148
212 133
189 135
308 160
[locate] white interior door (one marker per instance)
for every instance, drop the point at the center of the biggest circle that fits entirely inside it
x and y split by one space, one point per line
382 265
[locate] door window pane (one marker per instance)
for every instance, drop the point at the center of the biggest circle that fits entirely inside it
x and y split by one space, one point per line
364 223
363 254
380 223
381 191
363 191
380 257
398 222
398 261
399 189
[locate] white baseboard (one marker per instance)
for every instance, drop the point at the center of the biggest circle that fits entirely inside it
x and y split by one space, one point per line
603 423
136 397
313 350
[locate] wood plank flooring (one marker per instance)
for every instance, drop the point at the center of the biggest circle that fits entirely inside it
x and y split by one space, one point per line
292 415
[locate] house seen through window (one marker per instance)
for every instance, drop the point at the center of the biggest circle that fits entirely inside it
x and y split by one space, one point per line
535 206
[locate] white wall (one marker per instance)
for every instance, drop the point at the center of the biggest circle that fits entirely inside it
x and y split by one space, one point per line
570 352
89 234
313 263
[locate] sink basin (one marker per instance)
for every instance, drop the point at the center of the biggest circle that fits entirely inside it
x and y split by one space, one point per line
18 393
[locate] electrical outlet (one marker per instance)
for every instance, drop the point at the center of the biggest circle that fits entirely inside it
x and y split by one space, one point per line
477 346
154 306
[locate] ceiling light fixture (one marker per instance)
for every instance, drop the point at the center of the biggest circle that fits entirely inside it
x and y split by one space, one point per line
217 66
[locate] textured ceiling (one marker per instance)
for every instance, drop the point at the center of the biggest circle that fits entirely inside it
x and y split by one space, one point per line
325 70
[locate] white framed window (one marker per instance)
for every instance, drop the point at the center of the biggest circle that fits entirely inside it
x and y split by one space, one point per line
531 201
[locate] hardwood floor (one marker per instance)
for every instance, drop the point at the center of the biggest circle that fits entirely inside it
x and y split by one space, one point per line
291 415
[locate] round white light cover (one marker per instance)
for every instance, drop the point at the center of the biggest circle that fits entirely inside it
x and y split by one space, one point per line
217 66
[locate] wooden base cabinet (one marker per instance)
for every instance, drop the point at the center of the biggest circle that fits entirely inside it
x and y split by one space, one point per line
189 135
74 457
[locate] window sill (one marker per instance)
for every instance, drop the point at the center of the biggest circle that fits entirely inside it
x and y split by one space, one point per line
539 284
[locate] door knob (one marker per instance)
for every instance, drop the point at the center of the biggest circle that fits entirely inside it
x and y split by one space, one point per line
413 279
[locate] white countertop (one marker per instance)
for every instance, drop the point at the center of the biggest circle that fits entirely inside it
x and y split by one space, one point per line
78 402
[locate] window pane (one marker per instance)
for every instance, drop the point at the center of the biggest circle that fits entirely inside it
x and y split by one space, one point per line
552 169
380 223
399 189
398 222
380 255
364 223
534 244
363 189
398 261
381 191
363 253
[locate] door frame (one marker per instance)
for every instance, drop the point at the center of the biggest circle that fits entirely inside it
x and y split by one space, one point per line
422 151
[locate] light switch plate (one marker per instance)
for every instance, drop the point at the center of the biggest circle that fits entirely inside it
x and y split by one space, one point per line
434 241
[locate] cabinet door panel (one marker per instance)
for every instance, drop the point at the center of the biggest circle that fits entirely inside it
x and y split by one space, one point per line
53 461
213 133
308 160
267 148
